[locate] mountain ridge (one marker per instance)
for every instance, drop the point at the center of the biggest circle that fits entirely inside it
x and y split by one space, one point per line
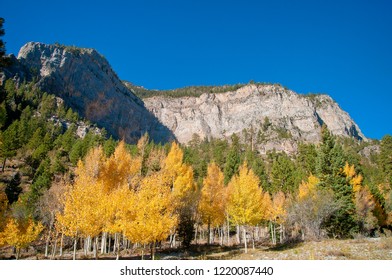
299 117
88 84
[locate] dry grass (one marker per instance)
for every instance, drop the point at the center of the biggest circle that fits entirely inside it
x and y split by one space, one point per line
353 249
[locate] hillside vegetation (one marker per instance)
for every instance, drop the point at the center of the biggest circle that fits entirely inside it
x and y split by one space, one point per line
67 195
190 91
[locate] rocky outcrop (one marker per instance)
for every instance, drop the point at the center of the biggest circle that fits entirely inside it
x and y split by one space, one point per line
279 117
87 83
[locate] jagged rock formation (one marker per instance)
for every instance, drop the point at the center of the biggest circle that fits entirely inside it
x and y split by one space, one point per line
86 82
270 116
277 118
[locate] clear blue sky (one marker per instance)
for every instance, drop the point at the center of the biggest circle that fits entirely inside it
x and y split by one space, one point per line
342 48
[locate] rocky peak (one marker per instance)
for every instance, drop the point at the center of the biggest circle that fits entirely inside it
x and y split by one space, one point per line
87 83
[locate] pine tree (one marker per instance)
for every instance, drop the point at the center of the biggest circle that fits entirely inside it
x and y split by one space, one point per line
330 162
306 158
283 175
4 61
233 160
385 158
257 164
9 142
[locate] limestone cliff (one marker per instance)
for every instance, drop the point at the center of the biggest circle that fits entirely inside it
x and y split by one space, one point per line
276 117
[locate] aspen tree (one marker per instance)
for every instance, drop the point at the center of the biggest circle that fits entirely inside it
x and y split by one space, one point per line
120 173
83 211
363 199
312 206
180 177
20 233
3 216
245 199
120 169
212 199
308 188
153 217
274 212
279 210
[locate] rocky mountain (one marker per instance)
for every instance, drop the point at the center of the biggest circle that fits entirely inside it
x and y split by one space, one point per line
274 117
271 116
85 81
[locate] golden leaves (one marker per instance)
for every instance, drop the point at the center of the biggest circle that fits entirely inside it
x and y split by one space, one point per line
308 188
20 233
213 197
245 197
109 195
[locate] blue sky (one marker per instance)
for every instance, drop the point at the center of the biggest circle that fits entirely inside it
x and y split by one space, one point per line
342 48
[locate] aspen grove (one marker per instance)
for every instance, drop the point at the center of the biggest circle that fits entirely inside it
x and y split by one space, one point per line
143 198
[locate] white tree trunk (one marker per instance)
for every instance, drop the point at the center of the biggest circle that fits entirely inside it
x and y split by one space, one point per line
238 235
61 244
228 231
74 249
245 243
103 243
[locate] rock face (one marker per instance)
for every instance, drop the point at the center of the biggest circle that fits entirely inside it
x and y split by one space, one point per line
275 116
87 83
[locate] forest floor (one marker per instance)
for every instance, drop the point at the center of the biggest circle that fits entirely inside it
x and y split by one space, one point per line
328 249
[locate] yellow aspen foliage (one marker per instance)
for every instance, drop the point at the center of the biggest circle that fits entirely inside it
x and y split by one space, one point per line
349 171
308 188
356 182
92 165
3 208
267 207
364 206
363 199
155 160
212 199
179 175
20 233
153 218
120 210
278 204
83 202
173 162
183 185
83 209
245 197
120 168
